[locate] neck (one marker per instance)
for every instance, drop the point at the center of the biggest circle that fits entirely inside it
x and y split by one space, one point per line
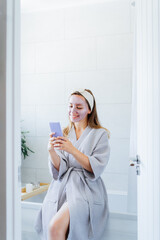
80 125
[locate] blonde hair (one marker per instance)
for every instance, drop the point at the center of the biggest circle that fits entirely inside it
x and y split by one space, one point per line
93 120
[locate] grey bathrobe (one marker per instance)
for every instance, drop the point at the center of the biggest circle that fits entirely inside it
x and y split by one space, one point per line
84 191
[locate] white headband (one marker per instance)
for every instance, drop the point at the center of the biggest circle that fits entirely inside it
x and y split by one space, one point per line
86 95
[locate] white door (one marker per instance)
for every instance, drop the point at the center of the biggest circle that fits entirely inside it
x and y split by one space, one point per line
148 118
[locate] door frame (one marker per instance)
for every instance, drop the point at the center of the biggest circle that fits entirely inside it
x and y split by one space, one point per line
10 157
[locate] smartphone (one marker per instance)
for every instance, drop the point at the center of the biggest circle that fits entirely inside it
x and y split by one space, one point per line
56 127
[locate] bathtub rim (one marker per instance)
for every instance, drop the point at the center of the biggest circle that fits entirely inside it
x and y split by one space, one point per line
122 215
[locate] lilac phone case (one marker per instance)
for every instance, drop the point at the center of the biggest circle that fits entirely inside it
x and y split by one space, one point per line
56 127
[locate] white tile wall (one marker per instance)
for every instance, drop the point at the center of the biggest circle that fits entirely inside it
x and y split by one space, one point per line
38 159
28 28
43 26
68 55
115 117
111 86
28 117
50 57
42 89
28 58
28 174
97 19
55 30
43 176
49 113
49 89
28 90
80 54
119 156
114 51
115 181
87 46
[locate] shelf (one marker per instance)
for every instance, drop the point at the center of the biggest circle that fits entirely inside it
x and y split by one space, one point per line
43 187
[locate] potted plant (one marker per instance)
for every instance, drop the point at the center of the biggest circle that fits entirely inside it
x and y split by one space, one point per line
24 148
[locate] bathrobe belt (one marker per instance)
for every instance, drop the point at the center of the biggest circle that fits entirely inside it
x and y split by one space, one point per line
87 192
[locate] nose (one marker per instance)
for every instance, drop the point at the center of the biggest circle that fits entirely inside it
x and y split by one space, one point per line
73 109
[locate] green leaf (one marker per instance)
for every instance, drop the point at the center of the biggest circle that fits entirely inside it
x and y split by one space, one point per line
24 148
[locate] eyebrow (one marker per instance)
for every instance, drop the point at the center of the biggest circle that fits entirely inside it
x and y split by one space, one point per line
77 104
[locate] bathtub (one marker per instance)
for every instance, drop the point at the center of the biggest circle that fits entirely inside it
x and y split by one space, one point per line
119 217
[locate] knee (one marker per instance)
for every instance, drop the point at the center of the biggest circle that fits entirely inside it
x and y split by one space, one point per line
55 230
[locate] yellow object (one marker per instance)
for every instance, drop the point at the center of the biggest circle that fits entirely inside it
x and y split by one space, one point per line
43 187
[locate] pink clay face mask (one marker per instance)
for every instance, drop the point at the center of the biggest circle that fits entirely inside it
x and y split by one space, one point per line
78 108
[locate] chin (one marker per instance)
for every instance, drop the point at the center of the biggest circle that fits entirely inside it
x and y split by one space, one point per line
74 120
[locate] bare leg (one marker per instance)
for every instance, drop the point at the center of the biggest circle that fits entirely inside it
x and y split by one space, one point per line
59 225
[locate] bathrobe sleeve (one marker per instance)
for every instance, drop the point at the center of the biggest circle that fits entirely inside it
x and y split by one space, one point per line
99 157
62 168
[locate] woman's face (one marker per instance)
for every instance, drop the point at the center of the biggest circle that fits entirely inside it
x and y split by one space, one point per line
78 108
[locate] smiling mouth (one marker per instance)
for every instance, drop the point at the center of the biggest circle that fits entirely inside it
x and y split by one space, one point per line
74 116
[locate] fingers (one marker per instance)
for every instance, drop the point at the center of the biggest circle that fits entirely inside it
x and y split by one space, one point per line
58 145
57 141
62 138
51 134
59 137
51 140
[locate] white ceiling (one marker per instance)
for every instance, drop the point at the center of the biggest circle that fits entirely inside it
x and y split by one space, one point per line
41 5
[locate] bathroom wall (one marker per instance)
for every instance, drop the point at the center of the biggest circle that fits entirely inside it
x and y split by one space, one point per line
88 46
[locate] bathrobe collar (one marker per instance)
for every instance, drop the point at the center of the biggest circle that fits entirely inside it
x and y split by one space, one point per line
81 138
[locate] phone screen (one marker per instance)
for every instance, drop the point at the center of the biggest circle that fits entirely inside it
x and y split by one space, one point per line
56 127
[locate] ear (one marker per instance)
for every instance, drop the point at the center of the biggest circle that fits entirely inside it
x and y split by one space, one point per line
89 111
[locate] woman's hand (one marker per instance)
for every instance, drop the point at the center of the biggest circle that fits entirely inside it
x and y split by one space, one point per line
50 143
62 143
53 155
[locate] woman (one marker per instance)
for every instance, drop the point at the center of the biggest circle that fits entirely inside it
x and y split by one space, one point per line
76 204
